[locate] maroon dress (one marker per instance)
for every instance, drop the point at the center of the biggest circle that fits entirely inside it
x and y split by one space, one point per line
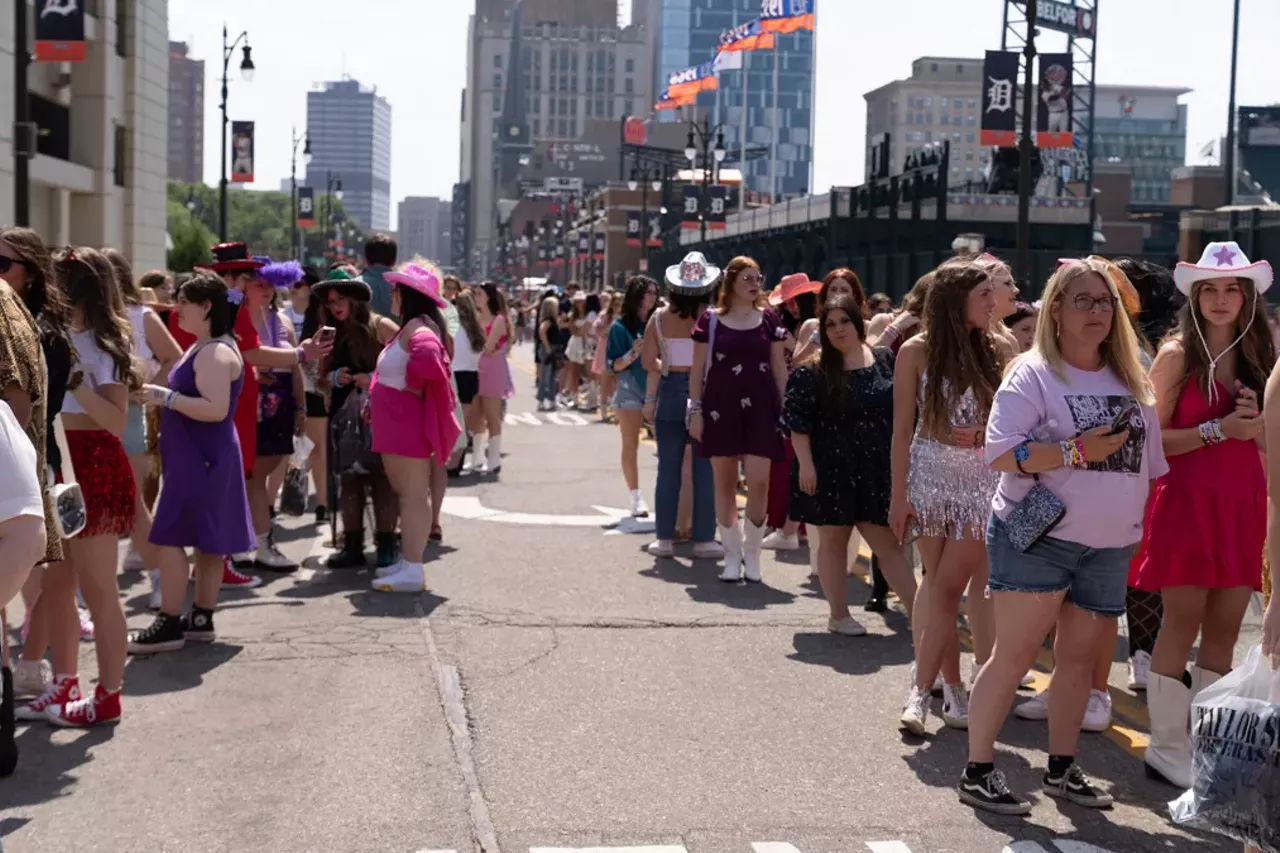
740 405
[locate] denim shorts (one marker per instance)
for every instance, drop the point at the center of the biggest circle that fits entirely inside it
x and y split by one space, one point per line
1095 578
630 395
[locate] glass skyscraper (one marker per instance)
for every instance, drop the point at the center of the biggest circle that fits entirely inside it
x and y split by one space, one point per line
687 32
350 130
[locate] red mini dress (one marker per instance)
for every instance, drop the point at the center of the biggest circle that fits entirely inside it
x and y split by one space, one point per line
1206 520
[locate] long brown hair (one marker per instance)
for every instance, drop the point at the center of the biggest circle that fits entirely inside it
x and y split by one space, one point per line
859 295
729 277
88 280
830 359
123 272
1254 356
465 302
43 298
957 357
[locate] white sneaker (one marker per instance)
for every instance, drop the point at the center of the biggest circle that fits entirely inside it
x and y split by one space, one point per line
1097 716
955 706
916 713
1028 679
153 600
780 540
383 571
132 561
938 683
712 550
1139 669
661 548
638 507
269 557
86 626
848 626
31 678
408 578
1035 708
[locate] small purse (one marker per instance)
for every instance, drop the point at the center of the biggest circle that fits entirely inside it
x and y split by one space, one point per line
1034 517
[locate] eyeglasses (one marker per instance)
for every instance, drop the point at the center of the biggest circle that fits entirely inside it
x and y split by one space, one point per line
751 278
1085 302
7 263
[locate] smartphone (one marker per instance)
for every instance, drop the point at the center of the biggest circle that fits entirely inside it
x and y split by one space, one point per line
1121 422
326 334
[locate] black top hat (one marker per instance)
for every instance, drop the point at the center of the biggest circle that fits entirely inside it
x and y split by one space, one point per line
231 257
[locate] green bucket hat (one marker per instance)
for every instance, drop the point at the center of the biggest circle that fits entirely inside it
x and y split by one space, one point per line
346 284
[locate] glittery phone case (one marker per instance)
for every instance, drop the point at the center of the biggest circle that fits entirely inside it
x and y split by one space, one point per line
1034 517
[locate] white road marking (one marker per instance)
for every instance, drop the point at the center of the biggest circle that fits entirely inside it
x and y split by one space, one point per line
560 419
470 508
887 847
1066 846
526 418
566 419
773 847
657 848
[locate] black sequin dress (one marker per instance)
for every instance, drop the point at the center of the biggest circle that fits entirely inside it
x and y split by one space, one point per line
849 442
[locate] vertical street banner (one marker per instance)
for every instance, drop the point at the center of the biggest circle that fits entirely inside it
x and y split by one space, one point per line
655 230
584 246
542 254
599 246
999 94
241 152
689 215
716 216
1053 102
633 228
306 207
60 31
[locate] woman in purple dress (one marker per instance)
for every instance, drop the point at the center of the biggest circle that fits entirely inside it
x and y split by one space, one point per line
202 502
736 386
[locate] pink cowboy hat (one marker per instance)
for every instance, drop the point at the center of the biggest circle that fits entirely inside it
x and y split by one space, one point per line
791 286
421 279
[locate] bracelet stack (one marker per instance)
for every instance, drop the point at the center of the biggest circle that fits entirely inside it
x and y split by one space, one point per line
889 336
1211 433
1073 453
170 398
694 407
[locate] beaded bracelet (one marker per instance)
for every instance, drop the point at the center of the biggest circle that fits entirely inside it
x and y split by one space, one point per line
1211 433
1073 453
694 406
889 336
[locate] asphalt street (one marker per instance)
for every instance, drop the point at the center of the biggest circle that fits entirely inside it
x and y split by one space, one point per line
556 688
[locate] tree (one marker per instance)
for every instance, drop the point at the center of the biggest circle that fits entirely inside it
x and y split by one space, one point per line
260 219
191 242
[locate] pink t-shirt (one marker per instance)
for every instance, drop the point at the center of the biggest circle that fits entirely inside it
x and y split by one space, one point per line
1105 501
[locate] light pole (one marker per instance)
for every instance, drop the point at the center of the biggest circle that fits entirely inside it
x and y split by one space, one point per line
246 72
332 190
191 202
646 181
1026 147
305 139
1229 155
705 134
23 132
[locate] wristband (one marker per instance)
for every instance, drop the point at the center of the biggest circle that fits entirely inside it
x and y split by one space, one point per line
1211 433
302 355
333 376
650 398
170 399
1021 454
889 336
694 407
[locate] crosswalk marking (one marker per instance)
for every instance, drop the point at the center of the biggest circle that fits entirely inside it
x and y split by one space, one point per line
659 848
887 847
1063 846
560 419
773 847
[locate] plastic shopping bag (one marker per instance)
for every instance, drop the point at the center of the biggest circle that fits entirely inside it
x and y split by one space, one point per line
293 494
1235 739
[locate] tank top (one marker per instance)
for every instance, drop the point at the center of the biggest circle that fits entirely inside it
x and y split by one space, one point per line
393 364
296 317
964 411
465 358
141 348
674 352
274 335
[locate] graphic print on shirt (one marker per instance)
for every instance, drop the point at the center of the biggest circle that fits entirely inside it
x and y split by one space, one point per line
1090 411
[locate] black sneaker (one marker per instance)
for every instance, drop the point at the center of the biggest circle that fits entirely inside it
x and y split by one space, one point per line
165 634
1073 785
322 514
198 626
991 793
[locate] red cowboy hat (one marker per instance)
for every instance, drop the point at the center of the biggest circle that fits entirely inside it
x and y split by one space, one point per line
231 257
796 284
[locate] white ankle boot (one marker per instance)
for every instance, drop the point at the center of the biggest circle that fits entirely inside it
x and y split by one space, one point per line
731 538
479 444
753 541
493 455
1169 753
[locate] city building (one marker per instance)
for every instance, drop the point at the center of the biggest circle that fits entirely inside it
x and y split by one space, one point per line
186 115
350 130
425 229
1143 127
682 34
104 185
577 67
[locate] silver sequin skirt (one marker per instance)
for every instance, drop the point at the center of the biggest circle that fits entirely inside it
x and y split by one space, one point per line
951 489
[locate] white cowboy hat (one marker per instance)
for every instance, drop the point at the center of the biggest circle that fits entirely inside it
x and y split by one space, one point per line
1223 260
693 276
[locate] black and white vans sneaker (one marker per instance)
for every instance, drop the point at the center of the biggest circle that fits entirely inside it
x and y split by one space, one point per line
1073 785
991 793
165 634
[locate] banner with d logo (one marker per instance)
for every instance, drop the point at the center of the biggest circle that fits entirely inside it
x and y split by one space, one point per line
59 31
241 152
306 207
633 228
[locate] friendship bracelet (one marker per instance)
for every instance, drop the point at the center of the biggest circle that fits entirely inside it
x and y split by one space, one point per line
1073 453
1211 433
170 399
650 398
694 406
889 332
302 355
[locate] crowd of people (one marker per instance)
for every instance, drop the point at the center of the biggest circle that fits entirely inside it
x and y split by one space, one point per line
190 409
1055 465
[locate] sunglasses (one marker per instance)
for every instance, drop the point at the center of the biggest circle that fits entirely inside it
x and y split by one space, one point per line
7 263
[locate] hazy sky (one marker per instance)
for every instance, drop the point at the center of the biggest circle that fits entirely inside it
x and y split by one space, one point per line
414 52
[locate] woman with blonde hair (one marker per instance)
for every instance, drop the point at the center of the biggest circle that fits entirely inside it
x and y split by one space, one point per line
1075 437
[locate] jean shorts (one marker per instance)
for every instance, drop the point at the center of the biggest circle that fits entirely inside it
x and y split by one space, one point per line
630 395
1095 578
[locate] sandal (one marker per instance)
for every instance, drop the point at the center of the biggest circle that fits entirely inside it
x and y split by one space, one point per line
436 535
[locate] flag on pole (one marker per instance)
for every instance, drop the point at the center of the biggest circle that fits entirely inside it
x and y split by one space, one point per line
699 78
727 61
786 16
748 36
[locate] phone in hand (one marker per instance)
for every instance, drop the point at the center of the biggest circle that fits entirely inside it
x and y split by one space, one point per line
1122 420
326 334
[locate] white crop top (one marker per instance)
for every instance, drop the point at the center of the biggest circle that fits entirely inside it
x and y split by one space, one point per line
465 359
96 365
674 352
392 365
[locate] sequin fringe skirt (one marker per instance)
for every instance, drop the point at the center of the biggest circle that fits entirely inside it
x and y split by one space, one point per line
106 482
951 489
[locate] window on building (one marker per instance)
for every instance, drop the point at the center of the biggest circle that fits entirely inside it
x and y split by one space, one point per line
122 29
973 103
933 66
629 86
120 155
497 81
968 137
629 107
946 119
928 102
497 60
630 67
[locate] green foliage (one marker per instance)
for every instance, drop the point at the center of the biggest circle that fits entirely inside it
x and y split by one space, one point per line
262 220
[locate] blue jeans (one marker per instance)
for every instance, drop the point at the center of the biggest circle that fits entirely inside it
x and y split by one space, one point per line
547 380
1095 578
673 437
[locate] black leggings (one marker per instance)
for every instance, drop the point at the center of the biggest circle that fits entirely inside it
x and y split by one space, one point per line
1144 611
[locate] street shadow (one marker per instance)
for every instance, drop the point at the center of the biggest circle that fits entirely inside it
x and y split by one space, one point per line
47 769
327 582
699 577
390 605
849 655
173 672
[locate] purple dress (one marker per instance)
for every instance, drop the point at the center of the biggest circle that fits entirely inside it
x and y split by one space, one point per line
740 405
202 501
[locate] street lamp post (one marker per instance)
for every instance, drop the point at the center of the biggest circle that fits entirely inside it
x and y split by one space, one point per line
1229 155
646 180
246 72
711 160
305 139
1026 147
191 202
332 189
